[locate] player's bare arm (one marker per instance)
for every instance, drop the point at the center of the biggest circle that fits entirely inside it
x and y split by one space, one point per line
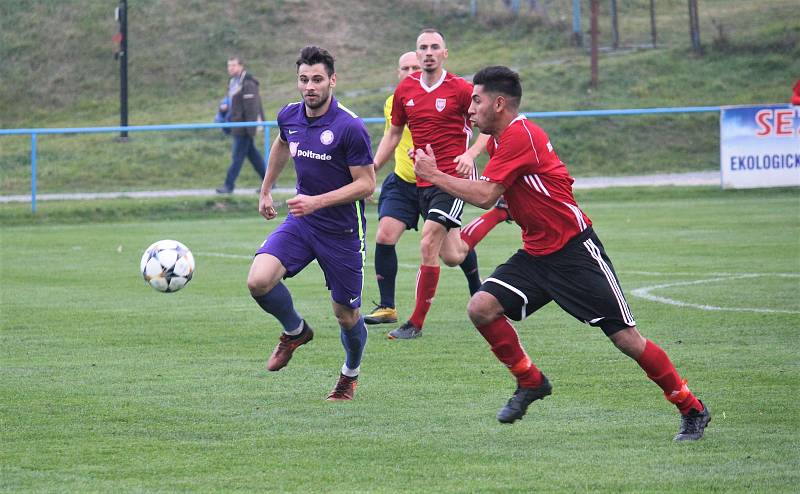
278 157
478 193
363 186
466 162
391 138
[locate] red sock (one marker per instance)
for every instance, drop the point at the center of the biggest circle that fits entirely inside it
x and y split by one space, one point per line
655 362
482 225
504 341
427 279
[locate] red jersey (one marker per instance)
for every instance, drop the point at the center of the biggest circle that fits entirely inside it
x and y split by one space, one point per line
435 115
537 185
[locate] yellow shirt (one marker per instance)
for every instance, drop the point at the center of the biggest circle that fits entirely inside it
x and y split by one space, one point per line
403 165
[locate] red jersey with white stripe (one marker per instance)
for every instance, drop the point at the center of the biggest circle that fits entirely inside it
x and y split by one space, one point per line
537 185
435 115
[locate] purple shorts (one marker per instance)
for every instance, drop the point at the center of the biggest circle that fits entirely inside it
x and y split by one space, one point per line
341 257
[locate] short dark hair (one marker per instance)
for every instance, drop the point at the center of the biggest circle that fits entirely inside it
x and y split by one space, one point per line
501 80
312 55
238 59
430 30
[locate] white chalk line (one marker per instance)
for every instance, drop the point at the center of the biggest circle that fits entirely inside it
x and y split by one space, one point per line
645 292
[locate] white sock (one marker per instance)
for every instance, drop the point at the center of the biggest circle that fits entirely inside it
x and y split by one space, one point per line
350 372
297 331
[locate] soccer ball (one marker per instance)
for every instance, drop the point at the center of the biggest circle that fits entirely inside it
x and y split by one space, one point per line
167 265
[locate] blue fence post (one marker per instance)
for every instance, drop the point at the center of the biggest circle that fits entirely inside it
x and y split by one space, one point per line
577 34
33 172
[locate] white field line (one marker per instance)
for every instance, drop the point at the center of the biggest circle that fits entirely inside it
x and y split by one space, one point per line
644 292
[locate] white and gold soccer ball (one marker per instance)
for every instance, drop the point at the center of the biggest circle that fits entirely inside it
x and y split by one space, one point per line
167 265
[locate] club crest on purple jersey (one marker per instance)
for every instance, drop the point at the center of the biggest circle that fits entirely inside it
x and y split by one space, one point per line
326 137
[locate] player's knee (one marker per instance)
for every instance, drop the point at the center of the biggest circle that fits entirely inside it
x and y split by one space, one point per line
453 257
258 285
429 250
385 237
426 246
346 318
451 260
483 308
256 289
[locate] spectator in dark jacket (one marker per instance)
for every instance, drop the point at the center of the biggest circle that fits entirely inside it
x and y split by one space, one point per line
245 106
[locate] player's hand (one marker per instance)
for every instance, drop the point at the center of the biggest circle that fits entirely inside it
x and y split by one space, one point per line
266 207
464 165
302 205
425 163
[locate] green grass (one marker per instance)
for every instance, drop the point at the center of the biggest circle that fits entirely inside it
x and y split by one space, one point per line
109 386
181 77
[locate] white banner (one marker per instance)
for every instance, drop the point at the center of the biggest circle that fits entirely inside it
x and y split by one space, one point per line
759 146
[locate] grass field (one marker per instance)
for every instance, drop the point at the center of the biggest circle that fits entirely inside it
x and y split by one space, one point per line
109 386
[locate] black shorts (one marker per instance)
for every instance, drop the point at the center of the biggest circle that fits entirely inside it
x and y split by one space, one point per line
439 206
579 278
398 200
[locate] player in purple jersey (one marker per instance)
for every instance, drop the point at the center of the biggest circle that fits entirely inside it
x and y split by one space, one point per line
333 161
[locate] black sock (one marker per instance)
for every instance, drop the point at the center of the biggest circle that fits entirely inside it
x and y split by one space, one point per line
386 272
470 268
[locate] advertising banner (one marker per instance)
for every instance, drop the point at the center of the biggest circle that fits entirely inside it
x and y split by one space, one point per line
759 146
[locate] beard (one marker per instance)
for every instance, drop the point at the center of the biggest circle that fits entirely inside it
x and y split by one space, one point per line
322 98
486 126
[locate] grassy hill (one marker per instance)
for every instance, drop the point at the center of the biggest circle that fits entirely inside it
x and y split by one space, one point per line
58 71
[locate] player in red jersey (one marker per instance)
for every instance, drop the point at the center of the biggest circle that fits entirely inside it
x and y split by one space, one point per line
562 259
433 103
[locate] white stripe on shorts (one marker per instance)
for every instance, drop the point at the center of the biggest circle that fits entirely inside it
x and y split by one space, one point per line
449 216
625 311
513 289
457 208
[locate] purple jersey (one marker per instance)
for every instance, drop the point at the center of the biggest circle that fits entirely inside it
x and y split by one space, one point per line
323 151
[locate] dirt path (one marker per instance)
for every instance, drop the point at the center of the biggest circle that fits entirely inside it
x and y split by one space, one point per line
681 179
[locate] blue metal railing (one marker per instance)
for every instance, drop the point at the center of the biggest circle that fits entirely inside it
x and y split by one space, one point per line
267 125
